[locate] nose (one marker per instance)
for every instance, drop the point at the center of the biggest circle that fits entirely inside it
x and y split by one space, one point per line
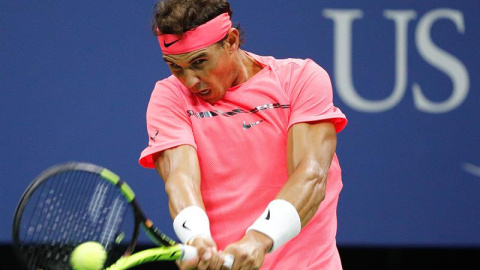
191 79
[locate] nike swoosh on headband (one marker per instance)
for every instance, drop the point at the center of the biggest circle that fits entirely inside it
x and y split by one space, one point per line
171 43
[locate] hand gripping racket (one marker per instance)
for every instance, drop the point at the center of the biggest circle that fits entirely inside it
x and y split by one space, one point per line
73 203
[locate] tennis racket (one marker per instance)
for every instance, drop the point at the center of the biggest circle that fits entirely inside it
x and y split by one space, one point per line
73 203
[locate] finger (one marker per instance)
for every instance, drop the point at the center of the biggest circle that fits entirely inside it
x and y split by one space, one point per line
216 262
187 265
244 263
204 262
247 266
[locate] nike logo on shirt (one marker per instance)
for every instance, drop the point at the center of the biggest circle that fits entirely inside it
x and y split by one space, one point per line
247 126
154 136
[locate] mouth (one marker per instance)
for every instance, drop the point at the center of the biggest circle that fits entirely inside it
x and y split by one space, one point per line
204 93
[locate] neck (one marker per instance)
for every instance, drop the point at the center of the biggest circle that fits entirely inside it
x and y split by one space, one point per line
247 67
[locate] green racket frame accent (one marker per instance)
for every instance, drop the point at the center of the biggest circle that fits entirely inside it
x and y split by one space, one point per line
110 176
115 179
170 253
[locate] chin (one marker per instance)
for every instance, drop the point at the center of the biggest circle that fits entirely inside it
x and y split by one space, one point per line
212 101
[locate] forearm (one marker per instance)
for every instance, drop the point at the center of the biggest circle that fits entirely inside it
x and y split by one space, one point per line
310 149
182 193
305 189
293 207
179 169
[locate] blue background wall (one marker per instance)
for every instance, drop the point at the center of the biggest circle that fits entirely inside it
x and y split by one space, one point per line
75 79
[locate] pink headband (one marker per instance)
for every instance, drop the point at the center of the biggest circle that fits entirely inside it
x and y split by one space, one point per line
197 38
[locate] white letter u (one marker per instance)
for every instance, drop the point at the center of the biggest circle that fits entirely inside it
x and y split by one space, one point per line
343 58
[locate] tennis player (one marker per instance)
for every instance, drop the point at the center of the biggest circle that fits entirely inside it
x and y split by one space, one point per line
245 145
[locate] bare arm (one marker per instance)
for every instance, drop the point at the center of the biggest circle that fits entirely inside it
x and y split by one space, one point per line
310 149
180 171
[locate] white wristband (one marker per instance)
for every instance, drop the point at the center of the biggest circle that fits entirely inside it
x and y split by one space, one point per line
190 223
280 222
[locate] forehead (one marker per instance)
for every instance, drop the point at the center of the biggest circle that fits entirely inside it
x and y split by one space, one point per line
187 57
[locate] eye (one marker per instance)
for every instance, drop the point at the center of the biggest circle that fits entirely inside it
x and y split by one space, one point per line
174 66
199 62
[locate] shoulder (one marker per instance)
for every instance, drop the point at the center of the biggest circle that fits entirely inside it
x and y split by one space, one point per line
292 72
291 64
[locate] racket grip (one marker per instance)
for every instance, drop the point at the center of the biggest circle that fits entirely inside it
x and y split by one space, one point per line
190 252
228 260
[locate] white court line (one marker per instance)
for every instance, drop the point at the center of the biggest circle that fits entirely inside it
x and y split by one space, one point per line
472 169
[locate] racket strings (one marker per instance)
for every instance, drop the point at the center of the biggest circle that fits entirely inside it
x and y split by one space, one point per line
70 208
33 251
40 228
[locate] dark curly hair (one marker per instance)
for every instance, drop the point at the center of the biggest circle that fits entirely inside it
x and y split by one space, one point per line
179 16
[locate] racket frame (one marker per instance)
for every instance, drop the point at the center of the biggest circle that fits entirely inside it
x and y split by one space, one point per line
165 243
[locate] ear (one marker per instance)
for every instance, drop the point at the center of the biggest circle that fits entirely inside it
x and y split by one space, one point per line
233 40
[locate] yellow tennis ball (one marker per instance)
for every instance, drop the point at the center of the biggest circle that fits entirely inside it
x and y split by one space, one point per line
88 256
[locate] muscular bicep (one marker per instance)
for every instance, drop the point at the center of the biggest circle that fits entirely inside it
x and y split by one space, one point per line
311 145
179 169
181 159
310 149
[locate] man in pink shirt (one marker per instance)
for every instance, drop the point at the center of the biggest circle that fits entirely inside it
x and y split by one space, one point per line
245 145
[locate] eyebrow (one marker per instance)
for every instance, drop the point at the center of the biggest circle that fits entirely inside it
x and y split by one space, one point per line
201 55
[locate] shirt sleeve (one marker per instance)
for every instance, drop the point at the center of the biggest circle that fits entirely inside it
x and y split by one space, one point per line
168 124
311 96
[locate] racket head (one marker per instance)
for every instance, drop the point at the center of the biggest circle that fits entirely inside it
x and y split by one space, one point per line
69 204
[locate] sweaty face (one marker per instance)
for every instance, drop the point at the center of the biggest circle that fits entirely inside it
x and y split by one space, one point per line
207 73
